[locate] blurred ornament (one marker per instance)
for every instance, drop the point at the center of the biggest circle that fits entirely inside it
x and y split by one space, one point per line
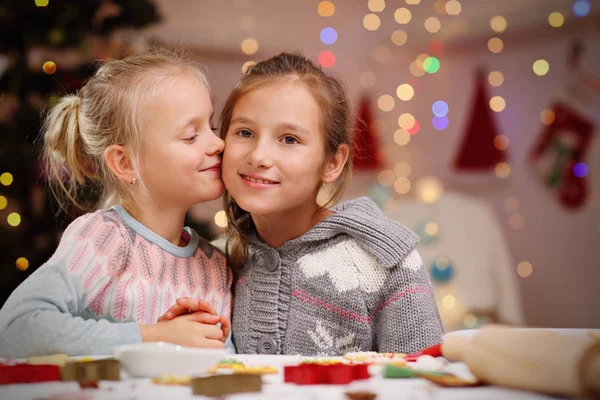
49 67
56 36
441 270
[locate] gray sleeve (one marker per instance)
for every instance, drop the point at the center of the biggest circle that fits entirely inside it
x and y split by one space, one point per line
406 317
41 318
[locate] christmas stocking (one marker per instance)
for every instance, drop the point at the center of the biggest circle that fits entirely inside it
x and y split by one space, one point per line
559 148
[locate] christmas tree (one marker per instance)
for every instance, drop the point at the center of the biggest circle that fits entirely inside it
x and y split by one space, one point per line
48 49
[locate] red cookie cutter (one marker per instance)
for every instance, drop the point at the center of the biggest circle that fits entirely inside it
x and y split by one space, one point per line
434 351
315 374
25 373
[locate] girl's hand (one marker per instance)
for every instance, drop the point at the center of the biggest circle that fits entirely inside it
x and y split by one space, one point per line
187 305
204 312
185 330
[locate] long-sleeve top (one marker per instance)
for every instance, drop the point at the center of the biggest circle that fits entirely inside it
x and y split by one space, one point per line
354 282
108 274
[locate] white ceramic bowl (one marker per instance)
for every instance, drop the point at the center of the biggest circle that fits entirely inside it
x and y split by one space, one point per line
149 360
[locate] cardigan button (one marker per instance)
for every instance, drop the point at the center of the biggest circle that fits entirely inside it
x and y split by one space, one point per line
266 345
269 260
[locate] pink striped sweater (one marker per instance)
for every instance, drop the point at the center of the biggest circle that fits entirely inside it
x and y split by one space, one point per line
108 274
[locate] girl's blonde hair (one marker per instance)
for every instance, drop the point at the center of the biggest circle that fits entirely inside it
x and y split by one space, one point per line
105 112
336 124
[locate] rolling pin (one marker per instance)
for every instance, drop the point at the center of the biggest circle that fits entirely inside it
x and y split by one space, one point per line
537 360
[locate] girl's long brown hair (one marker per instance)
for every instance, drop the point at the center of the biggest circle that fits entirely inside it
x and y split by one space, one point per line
331 96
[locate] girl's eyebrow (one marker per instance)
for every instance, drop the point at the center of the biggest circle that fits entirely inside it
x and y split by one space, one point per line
241 120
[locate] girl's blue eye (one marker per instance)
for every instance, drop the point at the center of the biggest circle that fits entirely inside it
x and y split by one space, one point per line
290 140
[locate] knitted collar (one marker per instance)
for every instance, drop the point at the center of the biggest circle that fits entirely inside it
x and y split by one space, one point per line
385 239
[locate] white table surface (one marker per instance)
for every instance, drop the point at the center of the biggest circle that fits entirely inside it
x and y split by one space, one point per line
273 388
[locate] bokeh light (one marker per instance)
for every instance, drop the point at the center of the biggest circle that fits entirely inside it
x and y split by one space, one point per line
429 189
247 65
22 263
402 16
326 59
498 23
376 5
541 67
496 78
41 3
547 117
435 47
402 185
328 36
399 37
580 169
453 7
368 79
326 9
49 67
502 170
556 20
524 269
581 8
497 103
440 108
249 46
449 301
416 69
432 25
432 229
6 179
221 219
495 45
386 178
431 65
14 219
402 169
401 137
501 142
386 103
405 92
406 121
371 22
415 128
440 123
3 202
413 2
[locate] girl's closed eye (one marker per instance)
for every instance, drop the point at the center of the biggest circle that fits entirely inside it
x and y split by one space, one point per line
192 138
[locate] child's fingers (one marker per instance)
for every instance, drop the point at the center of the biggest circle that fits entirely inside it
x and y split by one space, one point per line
203 318
226 327
204 306
187 303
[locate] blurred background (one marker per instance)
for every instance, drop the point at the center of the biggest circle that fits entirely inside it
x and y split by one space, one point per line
477 127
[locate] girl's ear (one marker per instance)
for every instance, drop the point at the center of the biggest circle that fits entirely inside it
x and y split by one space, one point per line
118 159
335 164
